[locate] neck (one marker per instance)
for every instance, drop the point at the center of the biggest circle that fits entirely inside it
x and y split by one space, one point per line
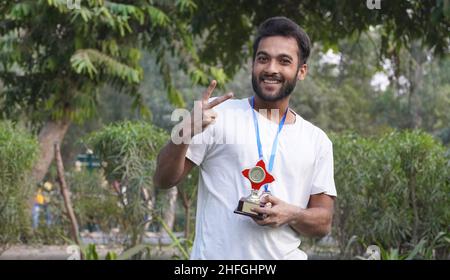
267 106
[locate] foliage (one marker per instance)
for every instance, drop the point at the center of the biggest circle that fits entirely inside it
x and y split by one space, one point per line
182 244
90 252
230 25
18 151
425 249
54 59
393 190
431 98
129 151
94 201
187 191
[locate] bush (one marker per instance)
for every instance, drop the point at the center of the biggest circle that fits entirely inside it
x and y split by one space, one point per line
94 202
129 150
18 151
392 191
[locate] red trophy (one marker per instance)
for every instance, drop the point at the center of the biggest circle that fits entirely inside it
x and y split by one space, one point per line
258 176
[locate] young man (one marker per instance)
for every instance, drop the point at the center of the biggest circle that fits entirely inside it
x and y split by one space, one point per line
297 154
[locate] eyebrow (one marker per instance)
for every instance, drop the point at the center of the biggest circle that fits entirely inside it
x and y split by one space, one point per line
281 55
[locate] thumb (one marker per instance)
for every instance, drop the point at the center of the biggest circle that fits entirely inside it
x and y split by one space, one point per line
270 198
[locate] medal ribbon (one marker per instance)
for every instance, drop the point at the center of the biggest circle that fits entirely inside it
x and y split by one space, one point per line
275 141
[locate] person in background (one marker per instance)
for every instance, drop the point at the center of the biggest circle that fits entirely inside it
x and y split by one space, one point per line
41 204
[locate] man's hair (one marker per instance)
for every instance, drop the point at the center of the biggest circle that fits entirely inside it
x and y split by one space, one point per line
282 26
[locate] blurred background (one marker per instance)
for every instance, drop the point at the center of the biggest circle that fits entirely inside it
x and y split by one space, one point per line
87 89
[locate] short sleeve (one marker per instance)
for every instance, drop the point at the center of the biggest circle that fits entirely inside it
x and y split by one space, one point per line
199 146
323 176
202 142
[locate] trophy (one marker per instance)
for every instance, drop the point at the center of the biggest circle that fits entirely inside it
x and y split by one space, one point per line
258 176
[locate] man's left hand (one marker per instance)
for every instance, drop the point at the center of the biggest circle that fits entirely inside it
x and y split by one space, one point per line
278 214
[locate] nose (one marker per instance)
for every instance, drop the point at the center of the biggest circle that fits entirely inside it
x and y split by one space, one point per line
271 68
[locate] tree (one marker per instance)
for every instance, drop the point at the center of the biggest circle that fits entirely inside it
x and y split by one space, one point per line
231 23
54 60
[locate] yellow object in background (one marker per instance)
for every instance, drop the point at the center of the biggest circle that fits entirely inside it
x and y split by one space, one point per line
39 199
48 186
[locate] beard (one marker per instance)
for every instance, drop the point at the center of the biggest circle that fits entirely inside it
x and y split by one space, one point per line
287 86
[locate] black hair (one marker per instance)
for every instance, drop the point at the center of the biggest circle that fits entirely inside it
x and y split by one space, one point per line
282 26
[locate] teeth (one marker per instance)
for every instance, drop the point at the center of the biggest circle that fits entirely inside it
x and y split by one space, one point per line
271 81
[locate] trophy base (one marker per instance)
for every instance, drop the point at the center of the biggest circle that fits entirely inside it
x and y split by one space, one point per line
244 207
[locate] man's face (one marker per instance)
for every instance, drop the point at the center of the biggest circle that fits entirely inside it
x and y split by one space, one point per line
276 68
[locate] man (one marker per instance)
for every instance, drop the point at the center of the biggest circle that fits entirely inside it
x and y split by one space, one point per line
298 154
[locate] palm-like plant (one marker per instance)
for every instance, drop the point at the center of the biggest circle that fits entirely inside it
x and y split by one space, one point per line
129 151
54 59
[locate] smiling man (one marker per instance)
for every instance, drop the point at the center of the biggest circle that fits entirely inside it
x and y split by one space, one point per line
297 155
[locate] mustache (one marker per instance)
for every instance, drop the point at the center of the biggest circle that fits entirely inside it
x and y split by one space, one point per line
276 77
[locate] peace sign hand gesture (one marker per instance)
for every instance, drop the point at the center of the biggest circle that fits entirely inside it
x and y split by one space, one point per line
203 114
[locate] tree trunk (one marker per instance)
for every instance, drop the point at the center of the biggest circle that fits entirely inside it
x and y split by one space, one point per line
416 76
53 131
169 214
66 196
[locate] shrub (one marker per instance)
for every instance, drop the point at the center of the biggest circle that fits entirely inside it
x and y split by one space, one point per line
392 190
129 150
18 151
94 202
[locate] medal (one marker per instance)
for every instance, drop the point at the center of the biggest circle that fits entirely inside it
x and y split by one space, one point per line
258 175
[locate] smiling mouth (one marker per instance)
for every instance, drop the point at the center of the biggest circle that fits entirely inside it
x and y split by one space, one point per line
271 81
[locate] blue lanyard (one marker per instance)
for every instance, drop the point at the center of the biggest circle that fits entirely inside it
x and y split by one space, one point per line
275 141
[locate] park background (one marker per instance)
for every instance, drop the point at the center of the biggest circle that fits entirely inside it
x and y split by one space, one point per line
99 82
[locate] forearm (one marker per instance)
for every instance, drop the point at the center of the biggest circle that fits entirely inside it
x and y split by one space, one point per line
170 165
311 222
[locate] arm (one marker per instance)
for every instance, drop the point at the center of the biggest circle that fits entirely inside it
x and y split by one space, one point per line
315 221
172 165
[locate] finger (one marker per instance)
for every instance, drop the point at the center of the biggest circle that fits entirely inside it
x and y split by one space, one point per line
270 198
258 221
262 210
268 222
264 198
220 99
209 117
207 93
262 222
208 121
210 114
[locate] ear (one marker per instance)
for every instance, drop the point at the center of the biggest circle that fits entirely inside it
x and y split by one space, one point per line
302 72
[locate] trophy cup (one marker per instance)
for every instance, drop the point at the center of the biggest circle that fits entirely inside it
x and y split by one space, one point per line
258 176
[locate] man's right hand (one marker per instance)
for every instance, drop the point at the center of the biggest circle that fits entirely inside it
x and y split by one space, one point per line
172 165
204 114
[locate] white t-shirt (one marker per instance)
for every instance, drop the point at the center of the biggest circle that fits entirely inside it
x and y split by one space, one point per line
303 166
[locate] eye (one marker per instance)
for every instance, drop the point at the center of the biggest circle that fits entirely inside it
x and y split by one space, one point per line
262 59
285 61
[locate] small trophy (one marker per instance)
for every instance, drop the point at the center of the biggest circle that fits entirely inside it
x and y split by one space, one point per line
258 176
